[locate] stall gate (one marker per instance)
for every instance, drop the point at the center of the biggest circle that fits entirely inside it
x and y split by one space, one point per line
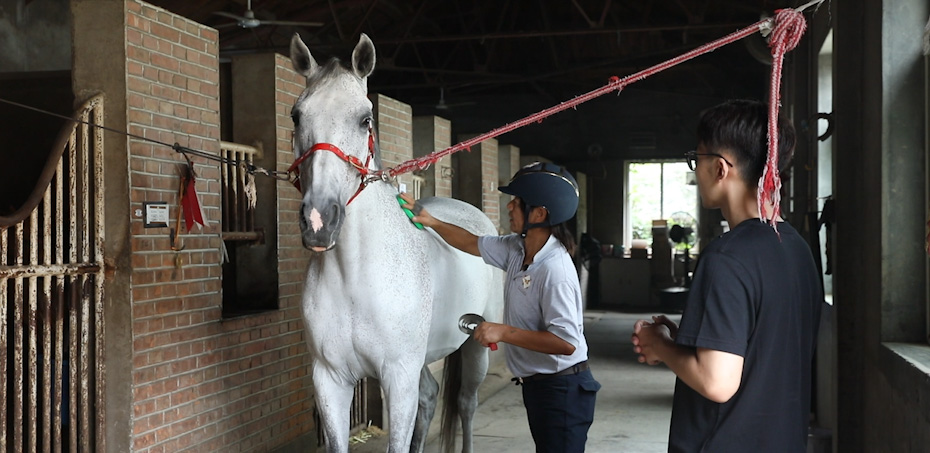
237 197
51 301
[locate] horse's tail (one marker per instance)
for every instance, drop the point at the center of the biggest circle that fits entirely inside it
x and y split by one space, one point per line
452 384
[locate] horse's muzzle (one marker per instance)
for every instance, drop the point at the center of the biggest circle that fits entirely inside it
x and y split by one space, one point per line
320 229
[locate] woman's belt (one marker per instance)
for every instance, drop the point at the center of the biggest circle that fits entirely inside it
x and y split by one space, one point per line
574 369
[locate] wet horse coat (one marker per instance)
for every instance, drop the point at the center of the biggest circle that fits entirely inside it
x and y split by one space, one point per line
382 298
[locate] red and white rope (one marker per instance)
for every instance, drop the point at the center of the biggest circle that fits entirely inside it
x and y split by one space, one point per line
615 84
789 27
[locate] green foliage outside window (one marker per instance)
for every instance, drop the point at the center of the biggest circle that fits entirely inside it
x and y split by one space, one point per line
656 190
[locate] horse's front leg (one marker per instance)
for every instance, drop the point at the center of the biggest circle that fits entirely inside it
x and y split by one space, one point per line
399 385
333 399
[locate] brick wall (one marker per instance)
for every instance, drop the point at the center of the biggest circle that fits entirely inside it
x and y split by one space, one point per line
394 124
201 383
443 168
476 177
430 134
490 197
508 163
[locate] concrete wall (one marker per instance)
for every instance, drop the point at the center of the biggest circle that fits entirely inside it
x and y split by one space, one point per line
35 35
880 283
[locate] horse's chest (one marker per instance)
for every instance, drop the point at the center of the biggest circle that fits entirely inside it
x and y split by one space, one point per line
364 314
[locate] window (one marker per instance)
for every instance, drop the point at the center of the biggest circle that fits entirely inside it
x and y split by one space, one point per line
657 190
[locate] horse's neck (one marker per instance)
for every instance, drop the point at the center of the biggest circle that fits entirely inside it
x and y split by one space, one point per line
371 220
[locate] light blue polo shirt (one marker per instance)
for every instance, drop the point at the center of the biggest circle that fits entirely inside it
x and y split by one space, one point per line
545 296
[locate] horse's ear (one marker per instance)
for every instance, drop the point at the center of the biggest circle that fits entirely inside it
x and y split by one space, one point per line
301 59
363 57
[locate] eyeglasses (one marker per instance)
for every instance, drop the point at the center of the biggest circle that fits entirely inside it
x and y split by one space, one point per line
691 157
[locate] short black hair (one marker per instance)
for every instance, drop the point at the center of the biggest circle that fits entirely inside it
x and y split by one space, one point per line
741 126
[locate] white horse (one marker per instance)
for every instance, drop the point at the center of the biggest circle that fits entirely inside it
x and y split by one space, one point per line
382 298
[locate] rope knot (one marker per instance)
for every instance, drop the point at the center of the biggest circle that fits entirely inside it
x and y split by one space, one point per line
789 27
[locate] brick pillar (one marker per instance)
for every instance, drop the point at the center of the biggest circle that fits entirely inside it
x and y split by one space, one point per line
508 161
581 218
394 123
430 134
179 376
292 258
476 177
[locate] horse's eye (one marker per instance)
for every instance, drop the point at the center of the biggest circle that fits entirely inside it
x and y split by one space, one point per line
367 121
295 117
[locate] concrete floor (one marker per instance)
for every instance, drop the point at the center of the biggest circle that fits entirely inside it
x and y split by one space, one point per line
633 405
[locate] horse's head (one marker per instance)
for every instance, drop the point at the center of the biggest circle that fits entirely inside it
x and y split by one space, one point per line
333 139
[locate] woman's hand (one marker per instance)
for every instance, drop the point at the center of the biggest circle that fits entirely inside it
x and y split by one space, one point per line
420 214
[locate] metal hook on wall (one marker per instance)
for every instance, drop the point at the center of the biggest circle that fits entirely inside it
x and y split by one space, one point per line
823 116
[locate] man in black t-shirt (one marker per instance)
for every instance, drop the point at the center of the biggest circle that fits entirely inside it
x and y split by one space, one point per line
744 349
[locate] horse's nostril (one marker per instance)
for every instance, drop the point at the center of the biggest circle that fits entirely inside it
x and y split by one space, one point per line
334 215
303 217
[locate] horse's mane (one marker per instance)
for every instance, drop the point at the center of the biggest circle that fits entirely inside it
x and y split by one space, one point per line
327 71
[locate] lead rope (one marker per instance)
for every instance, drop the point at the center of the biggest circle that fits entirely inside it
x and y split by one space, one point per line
789 27
786 29
615 84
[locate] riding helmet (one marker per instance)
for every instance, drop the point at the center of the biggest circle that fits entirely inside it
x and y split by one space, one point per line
548 185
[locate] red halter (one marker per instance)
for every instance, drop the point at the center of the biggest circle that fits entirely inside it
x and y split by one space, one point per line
363 171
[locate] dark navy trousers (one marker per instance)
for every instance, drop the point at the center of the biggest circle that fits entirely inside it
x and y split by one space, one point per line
560 410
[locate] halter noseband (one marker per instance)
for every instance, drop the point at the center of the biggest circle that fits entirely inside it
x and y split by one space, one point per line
366 175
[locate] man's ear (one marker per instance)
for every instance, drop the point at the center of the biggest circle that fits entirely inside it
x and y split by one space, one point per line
721 169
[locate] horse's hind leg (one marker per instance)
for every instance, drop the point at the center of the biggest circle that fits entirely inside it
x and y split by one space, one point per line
429 388
473 371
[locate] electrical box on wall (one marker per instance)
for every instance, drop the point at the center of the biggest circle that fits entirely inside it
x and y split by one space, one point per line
156 214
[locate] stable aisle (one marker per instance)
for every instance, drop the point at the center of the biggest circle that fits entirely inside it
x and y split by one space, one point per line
633 405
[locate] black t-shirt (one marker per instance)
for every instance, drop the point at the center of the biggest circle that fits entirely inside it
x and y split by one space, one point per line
760 298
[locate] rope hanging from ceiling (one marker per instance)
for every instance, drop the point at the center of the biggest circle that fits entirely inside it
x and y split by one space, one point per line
785 30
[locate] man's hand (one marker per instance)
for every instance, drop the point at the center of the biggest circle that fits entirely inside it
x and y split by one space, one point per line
651 339
672 327
716 375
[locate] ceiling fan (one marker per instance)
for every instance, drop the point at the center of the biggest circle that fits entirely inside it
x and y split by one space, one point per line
443 105
248 20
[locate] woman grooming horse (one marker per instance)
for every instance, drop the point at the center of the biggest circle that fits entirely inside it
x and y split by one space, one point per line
543 313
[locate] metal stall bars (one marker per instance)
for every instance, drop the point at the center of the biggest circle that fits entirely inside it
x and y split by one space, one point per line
51 300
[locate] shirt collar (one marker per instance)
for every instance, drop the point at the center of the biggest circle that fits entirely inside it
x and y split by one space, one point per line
547 251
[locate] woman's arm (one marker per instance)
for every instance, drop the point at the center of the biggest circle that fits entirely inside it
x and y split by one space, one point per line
539 341
456 236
